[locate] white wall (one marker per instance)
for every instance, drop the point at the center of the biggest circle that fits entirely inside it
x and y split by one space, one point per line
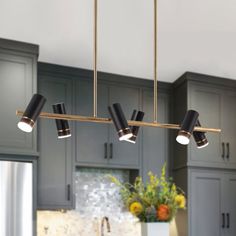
194 35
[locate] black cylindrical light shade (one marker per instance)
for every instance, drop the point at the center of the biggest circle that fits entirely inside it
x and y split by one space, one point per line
31 113
187 127
200 137
135 129
114 118
120 122
63 128
133 115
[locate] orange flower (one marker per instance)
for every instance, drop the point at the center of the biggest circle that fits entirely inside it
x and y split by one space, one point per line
163 212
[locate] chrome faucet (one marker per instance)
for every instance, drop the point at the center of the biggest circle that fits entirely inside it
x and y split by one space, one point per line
105 218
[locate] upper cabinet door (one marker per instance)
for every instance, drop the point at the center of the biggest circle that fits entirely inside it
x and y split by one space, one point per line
17 85
91 138
122 153
229 127
54 165
208 102
155 140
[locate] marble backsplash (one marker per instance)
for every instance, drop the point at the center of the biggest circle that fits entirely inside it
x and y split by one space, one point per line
72 224
96 197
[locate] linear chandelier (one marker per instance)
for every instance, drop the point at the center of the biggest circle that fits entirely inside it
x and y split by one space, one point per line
127 130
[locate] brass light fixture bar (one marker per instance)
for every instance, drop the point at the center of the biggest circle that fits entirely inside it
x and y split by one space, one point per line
96 119
109 121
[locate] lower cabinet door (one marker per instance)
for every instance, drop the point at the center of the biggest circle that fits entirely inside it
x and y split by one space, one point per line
54 164
205 201
230 201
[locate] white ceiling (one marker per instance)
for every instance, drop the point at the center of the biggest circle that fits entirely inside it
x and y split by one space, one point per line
193 35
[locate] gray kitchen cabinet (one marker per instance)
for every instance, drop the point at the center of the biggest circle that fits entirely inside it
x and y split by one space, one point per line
216 108
93 144
212 199
155 151
55 160
210 192
18 74
214 98
98 144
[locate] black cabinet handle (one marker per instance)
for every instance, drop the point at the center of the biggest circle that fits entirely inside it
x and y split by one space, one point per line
228 153
68 192
223 150
111 150
223 220
105 150
228 220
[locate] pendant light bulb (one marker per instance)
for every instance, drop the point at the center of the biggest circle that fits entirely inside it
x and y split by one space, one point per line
31 113
200 137
182 139
125 137
63 128
187 127
120 122
25 127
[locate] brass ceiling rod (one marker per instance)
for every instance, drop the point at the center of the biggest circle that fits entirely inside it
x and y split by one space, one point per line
155 63
95 73
96 119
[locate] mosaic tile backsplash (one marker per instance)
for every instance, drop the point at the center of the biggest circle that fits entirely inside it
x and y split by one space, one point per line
96 197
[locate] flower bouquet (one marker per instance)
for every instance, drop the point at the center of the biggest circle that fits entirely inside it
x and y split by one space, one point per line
156 201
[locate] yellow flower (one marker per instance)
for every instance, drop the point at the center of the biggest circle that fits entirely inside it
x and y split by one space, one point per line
136 208
180 201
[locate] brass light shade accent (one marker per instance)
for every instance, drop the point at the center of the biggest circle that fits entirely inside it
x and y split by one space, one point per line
63 128
136 123
187 127
31 113
200 137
